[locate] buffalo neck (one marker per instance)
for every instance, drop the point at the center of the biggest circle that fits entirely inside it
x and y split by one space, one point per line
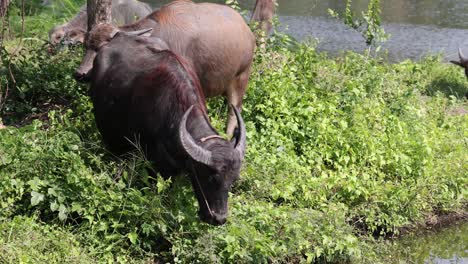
80 20
147 22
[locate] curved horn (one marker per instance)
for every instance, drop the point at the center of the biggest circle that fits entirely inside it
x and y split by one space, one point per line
140 32
241 136
190 146
463 59
113 33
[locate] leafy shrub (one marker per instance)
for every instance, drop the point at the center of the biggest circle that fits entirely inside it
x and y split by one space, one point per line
338 150
36 80
23 240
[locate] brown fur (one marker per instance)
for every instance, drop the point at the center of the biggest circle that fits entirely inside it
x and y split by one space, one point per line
262 14
99 37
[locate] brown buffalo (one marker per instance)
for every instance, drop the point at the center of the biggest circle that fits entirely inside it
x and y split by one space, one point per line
213 38
262 14
141 90
123 12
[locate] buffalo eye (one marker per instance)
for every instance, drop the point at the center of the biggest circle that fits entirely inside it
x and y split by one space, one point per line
223 168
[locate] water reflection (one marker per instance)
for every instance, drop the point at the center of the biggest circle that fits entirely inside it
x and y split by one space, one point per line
417 27
449 245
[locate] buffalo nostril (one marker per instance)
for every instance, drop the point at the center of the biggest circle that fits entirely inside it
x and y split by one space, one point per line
213 219
219 219
77 75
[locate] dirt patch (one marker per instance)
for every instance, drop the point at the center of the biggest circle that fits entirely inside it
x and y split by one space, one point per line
42 114
459 110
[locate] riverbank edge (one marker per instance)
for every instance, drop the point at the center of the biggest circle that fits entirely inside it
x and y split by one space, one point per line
433 222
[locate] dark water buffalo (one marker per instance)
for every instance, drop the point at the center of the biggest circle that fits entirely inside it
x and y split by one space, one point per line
141 91
123 12
463 61
214 39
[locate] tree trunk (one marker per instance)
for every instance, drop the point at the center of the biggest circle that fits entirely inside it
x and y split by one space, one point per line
99 12
4 7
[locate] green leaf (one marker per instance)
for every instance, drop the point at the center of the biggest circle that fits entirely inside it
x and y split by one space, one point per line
63 212
54 206
133 237
36 198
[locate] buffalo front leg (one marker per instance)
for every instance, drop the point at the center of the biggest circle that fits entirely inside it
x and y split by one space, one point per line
234 97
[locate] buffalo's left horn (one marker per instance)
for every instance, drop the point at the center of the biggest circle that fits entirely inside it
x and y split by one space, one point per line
139 32
241 136
463 59
191 147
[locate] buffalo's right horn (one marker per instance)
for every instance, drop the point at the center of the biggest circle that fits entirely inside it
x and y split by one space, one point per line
240 143
191 147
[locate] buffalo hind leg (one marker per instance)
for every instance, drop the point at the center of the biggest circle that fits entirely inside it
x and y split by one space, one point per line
235 95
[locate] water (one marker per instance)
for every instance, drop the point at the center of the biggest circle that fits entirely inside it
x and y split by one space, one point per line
446 246
417 27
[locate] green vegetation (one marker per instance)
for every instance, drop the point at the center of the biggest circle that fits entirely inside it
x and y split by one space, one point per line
341 152
370 25
23 240
38 19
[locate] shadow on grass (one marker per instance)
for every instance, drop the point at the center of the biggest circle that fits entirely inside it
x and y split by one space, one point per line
448 84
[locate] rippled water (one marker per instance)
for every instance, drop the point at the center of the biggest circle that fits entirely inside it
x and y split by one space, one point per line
417 27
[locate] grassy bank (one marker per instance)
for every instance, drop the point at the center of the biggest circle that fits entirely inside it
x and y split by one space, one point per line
341 152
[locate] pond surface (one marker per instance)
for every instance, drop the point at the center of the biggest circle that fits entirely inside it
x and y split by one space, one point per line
417 27
447 245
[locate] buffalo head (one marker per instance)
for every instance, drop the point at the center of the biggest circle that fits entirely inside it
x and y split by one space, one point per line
463 61
56 35
61 35
74 36
97 38
213 169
